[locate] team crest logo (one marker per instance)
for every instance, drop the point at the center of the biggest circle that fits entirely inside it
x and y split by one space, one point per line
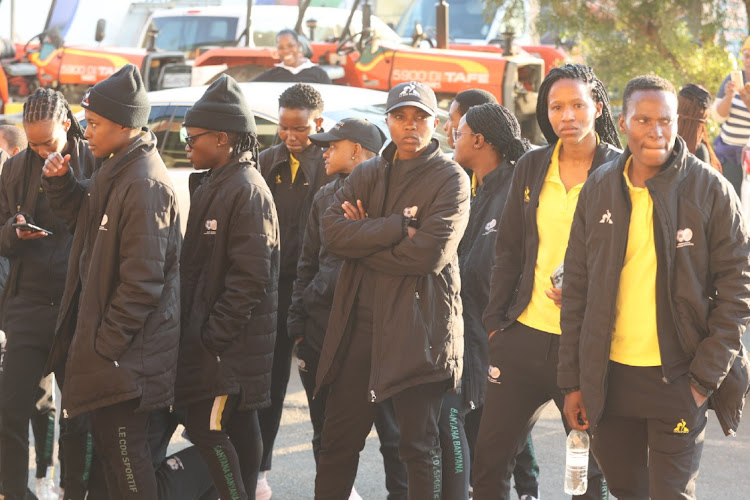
493 374
490 227
175 463
410 90
683 238
105 219
526 197
211 226
85 101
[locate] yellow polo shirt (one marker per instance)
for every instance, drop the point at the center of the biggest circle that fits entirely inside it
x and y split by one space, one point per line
634 339
293 166
554 216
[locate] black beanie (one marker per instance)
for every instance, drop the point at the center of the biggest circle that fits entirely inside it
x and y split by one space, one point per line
120 98
222 108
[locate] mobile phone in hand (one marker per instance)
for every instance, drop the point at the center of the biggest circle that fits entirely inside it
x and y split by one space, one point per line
557 277
25 226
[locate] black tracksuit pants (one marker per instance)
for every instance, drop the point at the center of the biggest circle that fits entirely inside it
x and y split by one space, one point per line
522 379
121 441
457 458
650 437
229 442
29 324
385 424
350 414
270 418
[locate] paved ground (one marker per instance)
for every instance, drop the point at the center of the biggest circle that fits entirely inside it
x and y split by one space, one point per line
724 471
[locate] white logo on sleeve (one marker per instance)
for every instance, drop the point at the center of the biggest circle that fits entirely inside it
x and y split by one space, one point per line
606 218
211 226
490 227
683 238
105 219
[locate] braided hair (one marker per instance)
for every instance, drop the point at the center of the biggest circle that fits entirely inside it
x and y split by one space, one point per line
48 104
604 125
245 142
693 103
500 130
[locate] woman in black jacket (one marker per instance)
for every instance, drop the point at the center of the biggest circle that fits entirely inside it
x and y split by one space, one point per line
38 263
522 316
488 143
294 66
229 272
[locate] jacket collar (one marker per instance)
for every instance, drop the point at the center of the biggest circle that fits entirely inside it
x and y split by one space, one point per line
430 152
218 175
670 174
496 177
144 144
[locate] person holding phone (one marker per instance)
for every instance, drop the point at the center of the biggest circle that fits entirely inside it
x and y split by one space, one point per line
730 109
37 243
523 315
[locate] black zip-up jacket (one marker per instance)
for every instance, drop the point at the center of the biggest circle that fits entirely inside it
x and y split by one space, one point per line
317 272
229 275
37 267
516 253
702 248
119 325
476 253
316 74
417 323
292 226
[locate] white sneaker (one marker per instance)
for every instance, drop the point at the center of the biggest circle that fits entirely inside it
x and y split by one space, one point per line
354 495
45 489
262 490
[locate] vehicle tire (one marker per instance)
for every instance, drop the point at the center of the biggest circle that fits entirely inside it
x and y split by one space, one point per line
243 73
7 49
74 93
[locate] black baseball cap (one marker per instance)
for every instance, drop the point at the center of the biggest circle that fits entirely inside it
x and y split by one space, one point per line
357 130
412 94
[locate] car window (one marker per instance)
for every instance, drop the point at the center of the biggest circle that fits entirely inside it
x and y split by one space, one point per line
186 33
158 122
166 122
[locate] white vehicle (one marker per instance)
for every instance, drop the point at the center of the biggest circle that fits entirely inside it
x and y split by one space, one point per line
168 108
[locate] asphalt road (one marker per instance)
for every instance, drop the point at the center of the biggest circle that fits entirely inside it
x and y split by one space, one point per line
724 465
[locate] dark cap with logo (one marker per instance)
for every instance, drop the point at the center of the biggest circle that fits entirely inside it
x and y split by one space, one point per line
121 98
357 130
412 94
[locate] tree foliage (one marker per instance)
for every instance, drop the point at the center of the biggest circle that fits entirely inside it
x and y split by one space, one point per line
677 39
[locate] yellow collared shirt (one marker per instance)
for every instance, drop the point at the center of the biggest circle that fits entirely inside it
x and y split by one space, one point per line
634 338
294 166
554 217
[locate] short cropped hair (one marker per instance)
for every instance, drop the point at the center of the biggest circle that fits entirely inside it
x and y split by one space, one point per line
473 97
14 137
301 96
645 82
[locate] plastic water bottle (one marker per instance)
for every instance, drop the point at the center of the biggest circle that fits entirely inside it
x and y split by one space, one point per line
576 463
3 341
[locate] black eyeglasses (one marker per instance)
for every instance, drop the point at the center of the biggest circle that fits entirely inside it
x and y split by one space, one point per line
190 139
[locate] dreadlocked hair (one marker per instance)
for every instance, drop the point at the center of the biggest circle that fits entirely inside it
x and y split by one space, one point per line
693 103
245 142
604 125
48 104
499 128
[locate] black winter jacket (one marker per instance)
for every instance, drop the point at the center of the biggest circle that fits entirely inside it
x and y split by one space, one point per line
37 267
119 322
516 253
292 226
417 323
229 273
476 254
317 272
315 74
702 243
